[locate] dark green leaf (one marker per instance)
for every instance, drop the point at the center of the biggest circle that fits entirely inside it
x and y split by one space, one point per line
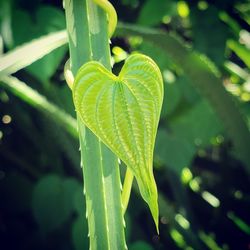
80 234
140 245
198 125
53 201
154 10
25 28
173 151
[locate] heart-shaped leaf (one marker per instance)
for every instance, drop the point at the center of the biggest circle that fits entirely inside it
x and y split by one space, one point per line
123 111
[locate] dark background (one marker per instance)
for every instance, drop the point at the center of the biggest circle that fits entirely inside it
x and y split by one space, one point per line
203 187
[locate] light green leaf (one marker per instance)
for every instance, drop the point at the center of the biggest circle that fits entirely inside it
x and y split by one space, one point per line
5 22
241 51
123 111
28 53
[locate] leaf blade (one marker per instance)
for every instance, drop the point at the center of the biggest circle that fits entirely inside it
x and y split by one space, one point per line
124 113
28 53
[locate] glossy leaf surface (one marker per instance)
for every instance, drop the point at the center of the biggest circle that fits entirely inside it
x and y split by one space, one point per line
123 111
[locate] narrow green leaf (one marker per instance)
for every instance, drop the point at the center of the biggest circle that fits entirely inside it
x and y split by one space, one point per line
239 222
35 99
123 111
26 54
241 51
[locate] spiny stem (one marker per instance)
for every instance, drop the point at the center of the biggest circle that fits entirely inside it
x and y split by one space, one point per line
88 40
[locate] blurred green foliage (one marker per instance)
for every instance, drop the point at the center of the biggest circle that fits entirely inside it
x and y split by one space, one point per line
204 189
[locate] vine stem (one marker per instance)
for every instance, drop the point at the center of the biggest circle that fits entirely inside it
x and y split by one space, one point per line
88 40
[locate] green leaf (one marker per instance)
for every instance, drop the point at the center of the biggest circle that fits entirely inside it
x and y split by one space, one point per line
188 91
79 234
241 51
123 111
52 201
140 245
241 224
44 21
5 22
163 61
79 202
26 54
174 151
171 99
153 11
79 231
202 124
216 30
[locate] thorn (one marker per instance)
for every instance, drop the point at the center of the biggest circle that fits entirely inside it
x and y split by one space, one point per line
124 223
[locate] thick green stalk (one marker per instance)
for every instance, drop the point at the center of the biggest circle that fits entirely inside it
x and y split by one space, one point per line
88 40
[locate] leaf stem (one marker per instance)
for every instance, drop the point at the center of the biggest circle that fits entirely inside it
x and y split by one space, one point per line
126 189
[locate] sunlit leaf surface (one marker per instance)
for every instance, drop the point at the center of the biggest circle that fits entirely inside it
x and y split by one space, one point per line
123 111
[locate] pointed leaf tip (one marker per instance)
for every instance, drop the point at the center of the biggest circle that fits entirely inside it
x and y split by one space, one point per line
149 193
124 113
